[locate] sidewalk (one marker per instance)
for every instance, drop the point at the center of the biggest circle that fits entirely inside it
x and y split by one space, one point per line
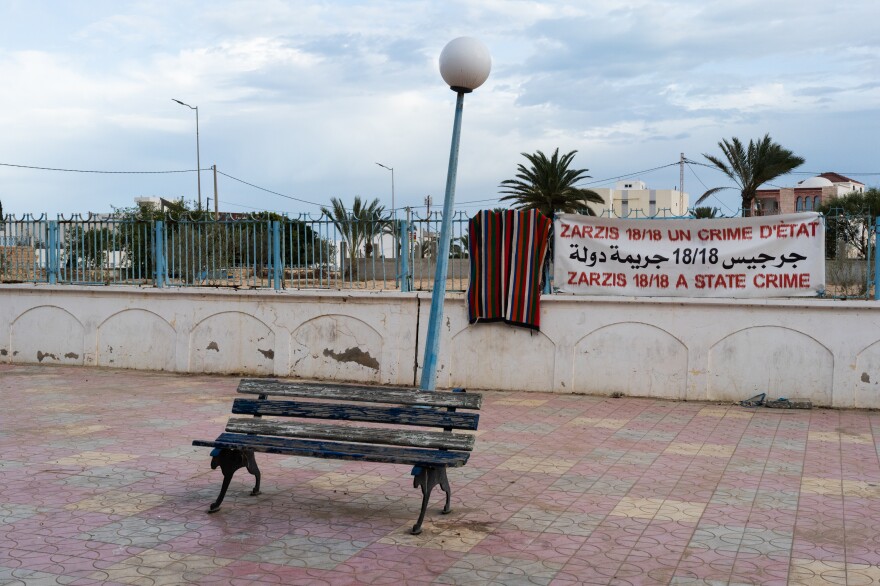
99 485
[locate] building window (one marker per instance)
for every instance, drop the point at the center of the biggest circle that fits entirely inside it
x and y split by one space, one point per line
799 204
808 203
816 202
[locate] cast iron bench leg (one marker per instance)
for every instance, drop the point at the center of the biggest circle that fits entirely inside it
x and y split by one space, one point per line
230 461
427 479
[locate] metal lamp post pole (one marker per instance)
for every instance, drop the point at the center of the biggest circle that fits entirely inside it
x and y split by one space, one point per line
392 184
198 158
398 245
432 342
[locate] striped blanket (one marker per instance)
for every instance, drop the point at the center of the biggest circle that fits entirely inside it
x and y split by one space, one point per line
507 251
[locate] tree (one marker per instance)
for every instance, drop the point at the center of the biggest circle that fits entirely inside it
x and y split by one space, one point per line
358 227
89 247
849 222
200 248
548 185
704 212
763 161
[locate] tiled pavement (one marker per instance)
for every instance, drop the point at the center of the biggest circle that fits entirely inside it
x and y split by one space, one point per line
99 484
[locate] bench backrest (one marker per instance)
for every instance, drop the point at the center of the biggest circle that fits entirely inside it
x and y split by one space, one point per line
456 399
351 403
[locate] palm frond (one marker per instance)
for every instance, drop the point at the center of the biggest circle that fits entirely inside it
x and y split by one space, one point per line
708 193
548 185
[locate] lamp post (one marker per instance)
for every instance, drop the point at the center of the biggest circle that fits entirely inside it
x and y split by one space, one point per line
397 244
198 163
392 184
465 64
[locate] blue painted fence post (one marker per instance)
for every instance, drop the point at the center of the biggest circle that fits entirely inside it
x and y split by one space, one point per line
403 247
159 252
276 255
52 256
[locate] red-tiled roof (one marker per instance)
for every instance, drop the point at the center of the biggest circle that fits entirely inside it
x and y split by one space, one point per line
838 178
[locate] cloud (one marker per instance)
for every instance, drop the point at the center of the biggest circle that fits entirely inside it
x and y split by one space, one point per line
303 97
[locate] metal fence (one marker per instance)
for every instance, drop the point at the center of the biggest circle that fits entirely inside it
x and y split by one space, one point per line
241 251
272 251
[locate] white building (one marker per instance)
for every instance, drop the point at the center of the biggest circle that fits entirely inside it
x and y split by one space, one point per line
631 198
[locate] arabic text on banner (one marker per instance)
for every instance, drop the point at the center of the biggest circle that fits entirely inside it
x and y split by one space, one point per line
767 256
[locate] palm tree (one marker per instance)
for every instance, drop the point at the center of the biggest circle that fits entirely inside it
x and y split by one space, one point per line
548 186
764 161
358 227
704 212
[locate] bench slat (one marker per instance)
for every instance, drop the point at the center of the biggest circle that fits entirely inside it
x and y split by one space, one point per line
361 393
368 435
393 415
337 451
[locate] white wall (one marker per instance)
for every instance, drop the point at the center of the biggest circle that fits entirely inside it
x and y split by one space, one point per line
707 349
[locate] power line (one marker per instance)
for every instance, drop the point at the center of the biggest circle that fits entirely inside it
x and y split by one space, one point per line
269 190
631 174
838 172
694 173
100 172
241 205
692 162
475 201
496 199
875 173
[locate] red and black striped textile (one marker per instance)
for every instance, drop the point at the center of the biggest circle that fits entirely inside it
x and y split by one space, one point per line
507 251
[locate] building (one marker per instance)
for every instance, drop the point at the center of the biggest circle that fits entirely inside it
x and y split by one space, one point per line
806 196
632 199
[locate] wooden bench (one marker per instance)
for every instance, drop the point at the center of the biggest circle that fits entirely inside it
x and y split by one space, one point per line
394 415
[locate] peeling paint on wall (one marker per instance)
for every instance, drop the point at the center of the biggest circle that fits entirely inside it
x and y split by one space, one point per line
270 354
213 346
355 355
73 355
41 355
865 377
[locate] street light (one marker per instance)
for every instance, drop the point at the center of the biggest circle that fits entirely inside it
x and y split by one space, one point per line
198 163
465 64
397 245
392 184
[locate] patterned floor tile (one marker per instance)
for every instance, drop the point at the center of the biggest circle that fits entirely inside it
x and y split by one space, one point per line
561 489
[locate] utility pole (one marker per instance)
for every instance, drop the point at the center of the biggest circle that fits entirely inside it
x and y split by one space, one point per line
681 174
216 201
681 182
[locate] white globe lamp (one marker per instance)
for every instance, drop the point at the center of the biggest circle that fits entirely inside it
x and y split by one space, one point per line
465 64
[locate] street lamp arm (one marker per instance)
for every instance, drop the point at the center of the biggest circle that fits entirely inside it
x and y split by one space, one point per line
184 104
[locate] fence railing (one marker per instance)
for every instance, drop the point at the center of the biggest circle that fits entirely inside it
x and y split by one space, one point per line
272 251
256 251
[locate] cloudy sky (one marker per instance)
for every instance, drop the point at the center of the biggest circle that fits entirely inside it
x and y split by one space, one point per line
303 98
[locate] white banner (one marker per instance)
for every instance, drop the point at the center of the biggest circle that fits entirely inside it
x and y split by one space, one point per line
767 256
